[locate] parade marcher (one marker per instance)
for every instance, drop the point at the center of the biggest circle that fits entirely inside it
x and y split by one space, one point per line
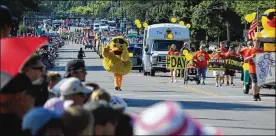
173 52
243 51
185 47
218 73
201 58
81 54
223 51
230 73
6 21
252 68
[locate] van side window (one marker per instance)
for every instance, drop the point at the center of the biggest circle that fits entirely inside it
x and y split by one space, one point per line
145 37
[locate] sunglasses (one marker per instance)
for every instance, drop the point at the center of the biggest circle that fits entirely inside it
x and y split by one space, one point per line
120 41
270 15
41 68
81 70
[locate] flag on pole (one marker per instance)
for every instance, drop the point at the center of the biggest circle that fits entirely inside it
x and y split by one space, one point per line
252 29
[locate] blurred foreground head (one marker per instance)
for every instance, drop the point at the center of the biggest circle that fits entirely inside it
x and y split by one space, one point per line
7 21
40 122
168 119
100 94
105 115
78 122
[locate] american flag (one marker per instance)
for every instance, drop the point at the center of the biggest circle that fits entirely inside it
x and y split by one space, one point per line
252 29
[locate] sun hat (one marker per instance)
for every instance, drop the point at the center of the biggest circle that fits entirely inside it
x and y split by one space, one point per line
72 86
37 118
168 118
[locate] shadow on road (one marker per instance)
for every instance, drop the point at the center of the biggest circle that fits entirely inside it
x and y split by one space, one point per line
200 105
268 95
88 68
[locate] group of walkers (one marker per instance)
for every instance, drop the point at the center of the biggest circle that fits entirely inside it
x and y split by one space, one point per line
200 60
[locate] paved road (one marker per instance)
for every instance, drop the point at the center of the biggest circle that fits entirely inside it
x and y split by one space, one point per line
224 107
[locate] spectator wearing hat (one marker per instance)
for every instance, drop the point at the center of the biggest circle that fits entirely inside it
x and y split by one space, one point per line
72 89
16 99
78 122
105 115
6 22
219 73
33 68
76 68
201 58
40 122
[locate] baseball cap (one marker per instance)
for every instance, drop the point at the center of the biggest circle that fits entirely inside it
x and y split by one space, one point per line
34 62
74 65
37 118
6 16
18 84
72 86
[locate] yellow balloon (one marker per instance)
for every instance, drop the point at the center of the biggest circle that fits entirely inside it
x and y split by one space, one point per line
170 36
247 18
181 22
188 25
188 57
173 20
137 21
185 52
139 25
253 15
130 54
145 25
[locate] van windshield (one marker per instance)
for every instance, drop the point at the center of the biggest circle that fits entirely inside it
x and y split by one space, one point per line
96 25
163 45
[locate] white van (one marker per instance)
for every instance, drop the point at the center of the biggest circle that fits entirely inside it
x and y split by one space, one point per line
156 43
96 26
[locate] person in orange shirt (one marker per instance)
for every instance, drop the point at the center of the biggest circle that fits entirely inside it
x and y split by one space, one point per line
173 52
218 74
252 68
201 58
243 52
230 73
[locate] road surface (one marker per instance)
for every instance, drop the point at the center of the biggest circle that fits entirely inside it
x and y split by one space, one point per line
226 107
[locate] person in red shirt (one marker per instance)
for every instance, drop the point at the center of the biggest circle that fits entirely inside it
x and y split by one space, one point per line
252 68
173 52
222 47
218 74
201 58
230 73
243 52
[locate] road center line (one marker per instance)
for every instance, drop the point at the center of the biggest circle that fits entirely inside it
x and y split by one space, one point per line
189 88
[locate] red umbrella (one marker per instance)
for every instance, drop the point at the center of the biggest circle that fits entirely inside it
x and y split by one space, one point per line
14 53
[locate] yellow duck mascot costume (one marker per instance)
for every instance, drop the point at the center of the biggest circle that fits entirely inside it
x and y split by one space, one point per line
269 26
116 60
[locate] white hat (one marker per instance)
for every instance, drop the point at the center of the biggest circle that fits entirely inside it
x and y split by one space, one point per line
73 85
168 118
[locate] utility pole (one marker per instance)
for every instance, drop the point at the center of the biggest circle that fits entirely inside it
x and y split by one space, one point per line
228 31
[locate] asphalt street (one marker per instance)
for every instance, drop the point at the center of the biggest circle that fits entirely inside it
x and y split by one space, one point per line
226 107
